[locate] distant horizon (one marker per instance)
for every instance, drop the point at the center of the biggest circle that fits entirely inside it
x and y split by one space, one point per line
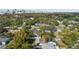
41 10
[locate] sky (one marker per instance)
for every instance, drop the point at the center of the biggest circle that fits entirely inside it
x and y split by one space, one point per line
39 4
53 5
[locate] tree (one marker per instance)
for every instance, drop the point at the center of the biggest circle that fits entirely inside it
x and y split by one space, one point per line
46 37
1 30
20 40
65 22
69 37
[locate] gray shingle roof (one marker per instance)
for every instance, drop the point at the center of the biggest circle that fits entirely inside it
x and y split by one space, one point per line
3 39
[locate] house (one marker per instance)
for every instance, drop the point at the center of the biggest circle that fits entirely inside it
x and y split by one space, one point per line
40 24
48 31
12 29
48 45
74 22
32 18
3 41
36 38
